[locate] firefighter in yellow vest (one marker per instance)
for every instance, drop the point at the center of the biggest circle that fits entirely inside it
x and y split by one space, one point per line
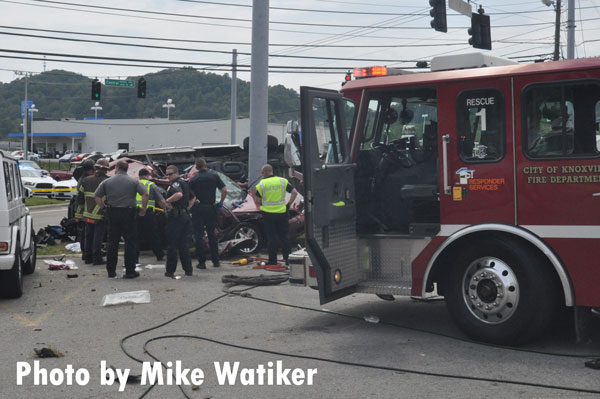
146 225
95 223
85 169
270 197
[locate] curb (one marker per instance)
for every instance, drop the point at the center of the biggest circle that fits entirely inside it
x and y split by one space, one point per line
32 208
68 255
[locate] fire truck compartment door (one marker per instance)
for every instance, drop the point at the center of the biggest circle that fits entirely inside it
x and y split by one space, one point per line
330 220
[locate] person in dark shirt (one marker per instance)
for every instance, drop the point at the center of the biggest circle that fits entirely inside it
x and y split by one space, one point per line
118 194
204 213
179 224
93 216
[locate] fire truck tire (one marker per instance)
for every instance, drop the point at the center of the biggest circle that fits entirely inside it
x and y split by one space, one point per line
500 291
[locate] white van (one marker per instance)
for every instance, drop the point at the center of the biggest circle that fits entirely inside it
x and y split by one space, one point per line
17 245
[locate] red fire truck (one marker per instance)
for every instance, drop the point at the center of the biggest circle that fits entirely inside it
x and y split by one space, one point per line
482 182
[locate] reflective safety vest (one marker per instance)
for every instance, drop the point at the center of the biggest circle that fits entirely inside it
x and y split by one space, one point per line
79 206
91 210
272 192
138 197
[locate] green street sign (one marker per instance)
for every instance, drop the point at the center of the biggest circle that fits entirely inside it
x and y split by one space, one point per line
119 83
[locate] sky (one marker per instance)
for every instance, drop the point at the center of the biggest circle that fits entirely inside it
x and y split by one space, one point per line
356 33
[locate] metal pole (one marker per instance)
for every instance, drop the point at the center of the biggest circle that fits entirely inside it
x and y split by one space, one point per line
259 95
233 96
31 129
571 30
25 118
557 32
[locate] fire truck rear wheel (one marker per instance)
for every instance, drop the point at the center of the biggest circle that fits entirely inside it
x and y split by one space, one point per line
501 291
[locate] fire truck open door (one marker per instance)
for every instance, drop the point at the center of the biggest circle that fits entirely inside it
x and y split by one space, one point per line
331 237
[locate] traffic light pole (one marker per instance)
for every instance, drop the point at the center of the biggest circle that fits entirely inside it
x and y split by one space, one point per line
233 96
25 119
259 85
557 32
571 30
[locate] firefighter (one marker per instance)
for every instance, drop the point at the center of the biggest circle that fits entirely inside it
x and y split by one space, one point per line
147 228
86 169
270 197
95 225
118 194
179 223
204 213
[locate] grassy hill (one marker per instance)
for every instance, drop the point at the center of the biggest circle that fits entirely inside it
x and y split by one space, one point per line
197 95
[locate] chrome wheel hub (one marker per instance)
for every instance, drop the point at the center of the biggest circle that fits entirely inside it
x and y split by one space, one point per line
247 232
490 290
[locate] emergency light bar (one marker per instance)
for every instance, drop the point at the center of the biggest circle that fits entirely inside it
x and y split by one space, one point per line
370 72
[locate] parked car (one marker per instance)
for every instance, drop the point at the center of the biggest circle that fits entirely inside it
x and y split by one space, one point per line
112 156
39 183
17 245
65 189
31 164
67 157
30 155
79 157
63 174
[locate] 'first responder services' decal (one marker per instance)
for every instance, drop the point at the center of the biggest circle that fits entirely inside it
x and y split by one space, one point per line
467 177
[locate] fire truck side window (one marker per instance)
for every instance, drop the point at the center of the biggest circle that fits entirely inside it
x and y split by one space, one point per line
480 125
331 150
561 121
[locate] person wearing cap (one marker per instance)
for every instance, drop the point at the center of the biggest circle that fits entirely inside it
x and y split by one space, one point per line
147 229
204 185
179 223
93 219
270 198
117 194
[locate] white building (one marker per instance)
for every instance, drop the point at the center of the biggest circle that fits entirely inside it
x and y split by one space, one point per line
108 135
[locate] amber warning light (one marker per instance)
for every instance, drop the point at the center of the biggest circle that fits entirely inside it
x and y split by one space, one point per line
370 72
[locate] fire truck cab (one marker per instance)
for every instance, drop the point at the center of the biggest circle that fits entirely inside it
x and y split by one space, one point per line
484 181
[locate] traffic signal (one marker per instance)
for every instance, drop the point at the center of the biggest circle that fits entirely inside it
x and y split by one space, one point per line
347 78
480 31
96 89
141 88
438 12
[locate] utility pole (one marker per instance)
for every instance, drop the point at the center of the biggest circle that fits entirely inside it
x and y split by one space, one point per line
571 30
259 95
25 120
557 32
25 109
233 96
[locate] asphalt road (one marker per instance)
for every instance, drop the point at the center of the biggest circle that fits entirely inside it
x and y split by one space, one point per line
45 215
412 338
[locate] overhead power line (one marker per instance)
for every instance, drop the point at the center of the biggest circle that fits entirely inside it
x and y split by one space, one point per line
287 23
314 10
223 69
218 51
170 39
96 57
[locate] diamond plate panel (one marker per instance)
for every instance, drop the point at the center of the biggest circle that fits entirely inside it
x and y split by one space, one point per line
341 250
388 263
378 287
